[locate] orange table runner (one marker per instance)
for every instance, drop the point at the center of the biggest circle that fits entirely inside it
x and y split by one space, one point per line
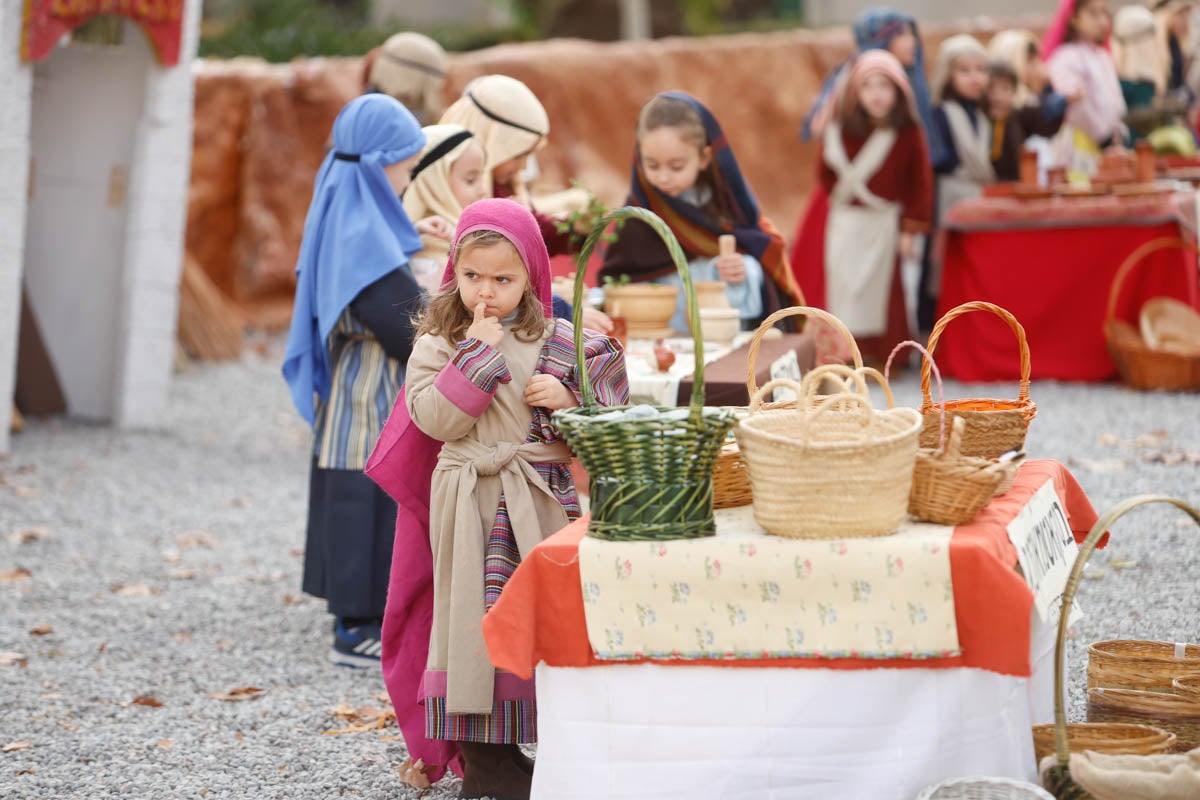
540 615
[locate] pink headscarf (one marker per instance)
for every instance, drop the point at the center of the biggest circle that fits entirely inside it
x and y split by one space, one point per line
1056 31
514 222
877 61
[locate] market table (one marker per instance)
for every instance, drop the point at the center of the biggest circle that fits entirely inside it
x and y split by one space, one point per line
815 727
1051 263
724 372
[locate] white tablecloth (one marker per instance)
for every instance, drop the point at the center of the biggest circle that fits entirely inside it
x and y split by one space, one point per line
647 384
652 732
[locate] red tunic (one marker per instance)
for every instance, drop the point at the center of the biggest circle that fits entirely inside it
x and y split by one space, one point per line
905 177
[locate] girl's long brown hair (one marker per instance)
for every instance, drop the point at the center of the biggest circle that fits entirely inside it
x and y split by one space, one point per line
446 316
856 122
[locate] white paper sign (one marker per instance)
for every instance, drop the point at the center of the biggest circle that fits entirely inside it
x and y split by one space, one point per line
786 366
1046 549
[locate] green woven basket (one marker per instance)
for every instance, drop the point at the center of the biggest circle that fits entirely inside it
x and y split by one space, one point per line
1058 778
651 479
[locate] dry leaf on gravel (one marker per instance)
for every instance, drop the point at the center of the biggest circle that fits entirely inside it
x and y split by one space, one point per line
1102 465
26 491
240 694
8 658
15 575
171 556
136 590
13 747
42 630
290 599
29 535
414 775
165 744
195 539
367 718
182 574
147 700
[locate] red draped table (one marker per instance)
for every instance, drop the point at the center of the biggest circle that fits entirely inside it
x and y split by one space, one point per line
1051 263
823 728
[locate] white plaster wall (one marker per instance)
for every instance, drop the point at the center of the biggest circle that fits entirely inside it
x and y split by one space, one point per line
158 190
14 172
86 104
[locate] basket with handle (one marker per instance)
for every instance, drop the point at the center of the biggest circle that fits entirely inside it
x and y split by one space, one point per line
830 467
651 477
731 484
1140 366
1058 778
993 427
950 488
984 789
1173 713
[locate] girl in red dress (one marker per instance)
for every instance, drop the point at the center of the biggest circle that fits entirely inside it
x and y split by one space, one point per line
875 170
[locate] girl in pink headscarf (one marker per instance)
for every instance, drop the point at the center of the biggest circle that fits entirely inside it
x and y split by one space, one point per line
1080 64
489 366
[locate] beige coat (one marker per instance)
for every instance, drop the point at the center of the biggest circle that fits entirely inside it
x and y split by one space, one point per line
483 459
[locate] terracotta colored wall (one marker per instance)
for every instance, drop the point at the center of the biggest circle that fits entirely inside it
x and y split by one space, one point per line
261 129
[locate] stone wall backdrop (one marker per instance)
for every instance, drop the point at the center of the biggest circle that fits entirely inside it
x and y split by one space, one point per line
261 131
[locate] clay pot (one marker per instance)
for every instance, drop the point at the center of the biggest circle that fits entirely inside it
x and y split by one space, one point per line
720 325
664 356
711 294
645 306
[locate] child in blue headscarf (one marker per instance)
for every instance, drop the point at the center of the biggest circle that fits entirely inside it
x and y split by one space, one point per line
350 338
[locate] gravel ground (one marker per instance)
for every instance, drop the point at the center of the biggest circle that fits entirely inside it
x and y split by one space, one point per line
166 565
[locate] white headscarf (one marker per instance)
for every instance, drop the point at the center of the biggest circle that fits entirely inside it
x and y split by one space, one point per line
411 68
430 194
504 114
951 50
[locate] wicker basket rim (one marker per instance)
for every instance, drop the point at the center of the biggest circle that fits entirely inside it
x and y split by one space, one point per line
749 428
1136 699
1149 733
1111 650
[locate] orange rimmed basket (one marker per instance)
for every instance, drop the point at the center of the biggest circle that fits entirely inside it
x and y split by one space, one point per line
731 483
1140 366
993 427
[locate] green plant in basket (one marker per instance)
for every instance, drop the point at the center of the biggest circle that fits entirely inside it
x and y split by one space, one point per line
584 219
650 468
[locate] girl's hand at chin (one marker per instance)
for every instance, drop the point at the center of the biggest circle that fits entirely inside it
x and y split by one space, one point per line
546 391
732 268
484 328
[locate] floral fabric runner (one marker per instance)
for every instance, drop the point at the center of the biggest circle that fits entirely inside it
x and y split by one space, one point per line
745 594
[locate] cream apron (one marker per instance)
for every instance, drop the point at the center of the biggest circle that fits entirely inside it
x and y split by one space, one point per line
973 143
860 240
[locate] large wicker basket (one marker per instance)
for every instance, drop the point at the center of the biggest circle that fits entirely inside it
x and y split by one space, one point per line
832 467
1143 666
1140 366
731 482
993 426
1058 778
1131 739
651 479
1188 685
1171 712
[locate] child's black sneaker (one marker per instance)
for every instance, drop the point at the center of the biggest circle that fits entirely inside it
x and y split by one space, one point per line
359 646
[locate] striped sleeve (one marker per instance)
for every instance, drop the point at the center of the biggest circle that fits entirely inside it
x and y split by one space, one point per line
482 364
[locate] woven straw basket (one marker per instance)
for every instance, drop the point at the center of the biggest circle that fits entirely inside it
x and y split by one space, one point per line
1132 739
993 426
731 483
832 467
651 479
1143 666
1188 685
1140 366
1171 712
984 789
948 487
1058 778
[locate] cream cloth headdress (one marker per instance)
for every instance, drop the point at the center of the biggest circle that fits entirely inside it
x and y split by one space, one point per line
430 194
411 68
951 50
504 114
